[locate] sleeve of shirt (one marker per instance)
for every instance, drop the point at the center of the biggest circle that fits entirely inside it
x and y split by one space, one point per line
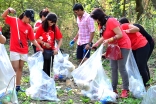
58 34
90 23
125 26
9 20
38 32
31 34
37 24
113 23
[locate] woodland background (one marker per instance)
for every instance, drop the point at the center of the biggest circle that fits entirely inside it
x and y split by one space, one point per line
137 11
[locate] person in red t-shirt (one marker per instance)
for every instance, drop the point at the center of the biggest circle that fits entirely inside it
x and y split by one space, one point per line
112 34
2 38
21 31
49 32
43 13
140 49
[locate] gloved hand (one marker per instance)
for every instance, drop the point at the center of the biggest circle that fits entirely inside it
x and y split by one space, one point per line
71 43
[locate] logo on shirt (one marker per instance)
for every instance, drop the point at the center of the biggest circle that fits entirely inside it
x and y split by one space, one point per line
26 32
48 37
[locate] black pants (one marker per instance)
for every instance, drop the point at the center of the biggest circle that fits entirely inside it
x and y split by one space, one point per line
141 57
34 48
47 65
150 52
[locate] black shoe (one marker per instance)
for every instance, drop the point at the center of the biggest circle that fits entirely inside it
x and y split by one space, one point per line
20 90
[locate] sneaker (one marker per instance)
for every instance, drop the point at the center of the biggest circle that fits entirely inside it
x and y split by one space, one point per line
21 90
124 93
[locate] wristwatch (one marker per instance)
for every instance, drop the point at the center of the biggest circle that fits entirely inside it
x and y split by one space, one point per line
90 44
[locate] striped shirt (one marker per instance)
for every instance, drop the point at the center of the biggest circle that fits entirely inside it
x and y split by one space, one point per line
86 26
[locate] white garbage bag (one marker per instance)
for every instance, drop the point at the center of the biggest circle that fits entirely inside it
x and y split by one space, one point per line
92 80
42 87
150 96
62 67
136 85
7 78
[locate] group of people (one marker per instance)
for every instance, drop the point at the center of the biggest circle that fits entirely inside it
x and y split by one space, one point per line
43 37
112 31
45 33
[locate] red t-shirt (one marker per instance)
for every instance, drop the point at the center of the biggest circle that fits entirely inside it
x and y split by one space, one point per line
0 28
48 36
124 41
25 32
137 39
38 23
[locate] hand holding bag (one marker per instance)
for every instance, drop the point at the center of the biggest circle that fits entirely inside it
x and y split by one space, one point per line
113 52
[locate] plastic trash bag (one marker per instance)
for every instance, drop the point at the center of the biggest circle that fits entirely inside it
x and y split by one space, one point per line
92 80
136 85
150 96
62 67
42 87
7 74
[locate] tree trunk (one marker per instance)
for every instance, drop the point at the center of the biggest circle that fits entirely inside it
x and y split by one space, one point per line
124 11
139 8
154 3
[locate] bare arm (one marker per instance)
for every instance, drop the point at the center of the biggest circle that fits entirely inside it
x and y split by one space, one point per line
98 42
132 29
118 35
7 11
76 37
118 32
90 41
59 43
37 45
2 38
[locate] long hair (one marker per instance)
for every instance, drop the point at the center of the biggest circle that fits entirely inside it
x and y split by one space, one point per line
98 14
50 17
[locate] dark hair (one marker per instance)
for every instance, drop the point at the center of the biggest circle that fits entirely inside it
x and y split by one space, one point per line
43 13
77 7
50 17
98 14
21 16
28 13
123 20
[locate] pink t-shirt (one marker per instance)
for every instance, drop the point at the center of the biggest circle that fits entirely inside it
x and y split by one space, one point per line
137 39
25 33
86 26
124 41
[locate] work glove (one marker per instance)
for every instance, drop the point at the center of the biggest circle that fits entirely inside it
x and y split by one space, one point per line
71 43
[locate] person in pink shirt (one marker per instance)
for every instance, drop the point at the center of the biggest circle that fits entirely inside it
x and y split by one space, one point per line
21 31
85 33
112 33
2 38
